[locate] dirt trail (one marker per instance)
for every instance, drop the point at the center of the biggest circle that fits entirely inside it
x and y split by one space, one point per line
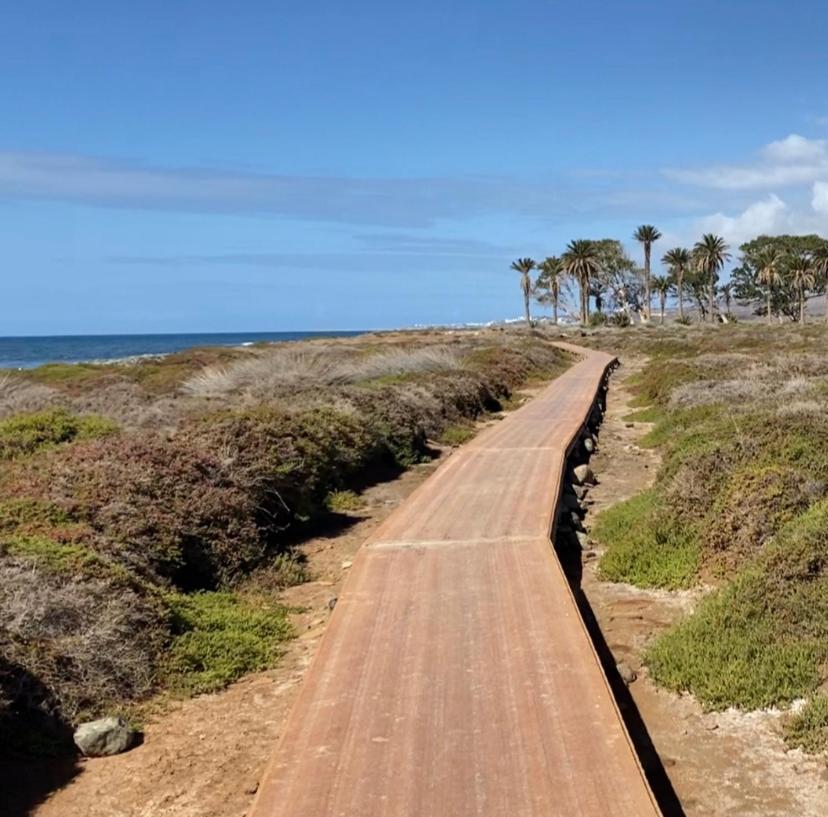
720 764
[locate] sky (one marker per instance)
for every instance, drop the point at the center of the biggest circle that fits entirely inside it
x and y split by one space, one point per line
274 166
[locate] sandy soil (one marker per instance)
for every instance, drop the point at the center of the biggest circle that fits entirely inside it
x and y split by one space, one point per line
720 764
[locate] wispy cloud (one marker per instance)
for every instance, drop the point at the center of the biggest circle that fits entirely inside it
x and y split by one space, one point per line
794 160
410 203
331 262
410 243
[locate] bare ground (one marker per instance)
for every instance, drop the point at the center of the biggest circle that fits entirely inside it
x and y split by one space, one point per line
720 764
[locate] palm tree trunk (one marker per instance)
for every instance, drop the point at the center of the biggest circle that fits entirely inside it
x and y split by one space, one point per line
770 318
647 279
662 310
801 304
712 298
526 290
681 296
555 308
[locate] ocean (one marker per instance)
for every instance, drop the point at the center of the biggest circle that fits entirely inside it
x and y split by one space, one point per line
27 352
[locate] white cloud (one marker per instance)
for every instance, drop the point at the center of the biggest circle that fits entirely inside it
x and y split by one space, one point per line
794 160
795 148
771 215
819 200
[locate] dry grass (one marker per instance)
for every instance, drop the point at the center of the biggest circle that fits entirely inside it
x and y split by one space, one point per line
282 368
18 395
106 635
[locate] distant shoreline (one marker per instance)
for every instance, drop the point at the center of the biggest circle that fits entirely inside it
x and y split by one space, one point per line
29 352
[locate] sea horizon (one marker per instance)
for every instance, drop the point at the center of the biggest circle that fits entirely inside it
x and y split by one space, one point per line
30 351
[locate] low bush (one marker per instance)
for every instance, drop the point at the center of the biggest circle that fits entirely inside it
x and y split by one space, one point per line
343 501
647 545
761 639
26 434
218 637
457 434
161 508
808 728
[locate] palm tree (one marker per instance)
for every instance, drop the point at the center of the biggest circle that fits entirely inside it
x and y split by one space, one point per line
768 273
819 257
662 284
726 291
678 261
580 262
549 279
525 266
711 254
801 272
647 235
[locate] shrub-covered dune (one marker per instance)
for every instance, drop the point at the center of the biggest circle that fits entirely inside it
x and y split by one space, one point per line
136 502
740 503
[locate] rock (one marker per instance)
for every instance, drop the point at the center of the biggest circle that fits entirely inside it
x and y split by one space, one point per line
583 474
627 673
332 602
629 425
107 736
251 786
583 539
589 445
346 565
575 521
580 491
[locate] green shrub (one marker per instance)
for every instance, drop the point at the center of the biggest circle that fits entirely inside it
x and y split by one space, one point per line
808 728
762 639
646 545
31 514
729 652
69 559
457 434
26 434
343 501
219 637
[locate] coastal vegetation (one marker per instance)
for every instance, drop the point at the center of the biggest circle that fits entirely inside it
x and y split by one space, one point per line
150 511
739 508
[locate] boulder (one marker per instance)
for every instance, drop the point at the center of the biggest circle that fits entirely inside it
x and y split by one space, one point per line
107 736
589 445
580 491
627 673
583 474
583 539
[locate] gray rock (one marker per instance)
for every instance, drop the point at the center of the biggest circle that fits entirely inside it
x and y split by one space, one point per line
583 474
575 521
583 539
589 445
627 673
580 491
107 736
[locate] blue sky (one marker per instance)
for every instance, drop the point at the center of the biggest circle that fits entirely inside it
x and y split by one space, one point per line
171 166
